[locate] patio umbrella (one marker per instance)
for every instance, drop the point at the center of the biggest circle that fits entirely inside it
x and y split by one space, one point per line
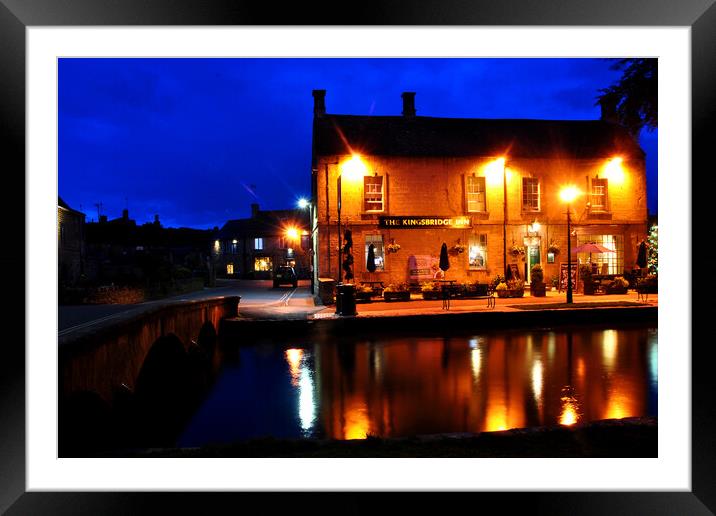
641 255
592 248
370 266
444 260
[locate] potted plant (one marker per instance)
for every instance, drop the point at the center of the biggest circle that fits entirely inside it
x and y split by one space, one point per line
516 288
553 248
364 293
537 284
517 250
458 248
475 289
501 289
396 292
392 247
430 290
585 274
618 285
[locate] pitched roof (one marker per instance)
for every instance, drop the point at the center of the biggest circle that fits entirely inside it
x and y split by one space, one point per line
430 136
266 223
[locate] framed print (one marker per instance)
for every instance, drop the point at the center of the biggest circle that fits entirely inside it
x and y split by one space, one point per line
36 35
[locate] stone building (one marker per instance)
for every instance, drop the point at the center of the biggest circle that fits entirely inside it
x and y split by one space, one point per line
70 244
253 248
487 188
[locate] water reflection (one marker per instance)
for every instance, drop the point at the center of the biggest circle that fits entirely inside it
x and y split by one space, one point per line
350 388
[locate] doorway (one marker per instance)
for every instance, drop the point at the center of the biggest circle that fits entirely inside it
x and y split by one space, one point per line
533 258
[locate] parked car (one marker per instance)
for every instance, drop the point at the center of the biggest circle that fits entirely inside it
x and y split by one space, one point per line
283 275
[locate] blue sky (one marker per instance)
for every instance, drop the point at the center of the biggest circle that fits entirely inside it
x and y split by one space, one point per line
196 141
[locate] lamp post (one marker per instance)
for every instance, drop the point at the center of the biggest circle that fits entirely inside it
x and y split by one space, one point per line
303 204
504 214
568 194
352 169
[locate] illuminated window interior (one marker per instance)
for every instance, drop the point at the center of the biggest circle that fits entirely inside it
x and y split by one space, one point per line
229 268
377 241
607 263
263 264
258 243
475 190
373 193
477 252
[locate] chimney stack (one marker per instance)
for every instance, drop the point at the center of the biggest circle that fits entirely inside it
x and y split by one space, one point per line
125 214
319 103
609 109
408 103
254 210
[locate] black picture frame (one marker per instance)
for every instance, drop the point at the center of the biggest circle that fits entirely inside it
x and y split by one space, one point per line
17 15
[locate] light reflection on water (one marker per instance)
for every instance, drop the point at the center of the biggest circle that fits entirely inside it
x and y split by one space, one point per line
400 386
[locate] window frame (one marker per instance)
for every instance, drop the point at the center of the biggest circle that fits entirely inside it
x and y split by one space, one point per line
538 194
369 239
480 181
481 239
382 194
595 182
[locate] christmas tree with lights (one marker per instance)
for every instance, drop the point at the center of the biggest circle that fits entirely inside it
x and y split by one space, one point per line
653 250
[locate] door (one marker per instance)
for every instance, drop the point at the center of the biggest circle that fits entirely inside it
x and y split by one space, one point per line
533 258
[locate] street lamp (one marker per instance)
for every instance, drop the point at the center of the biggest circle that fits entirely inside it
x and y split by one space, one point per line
568 194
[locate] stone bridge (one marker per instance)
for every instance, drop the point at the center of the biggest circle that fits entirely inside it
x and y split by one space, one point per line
109 357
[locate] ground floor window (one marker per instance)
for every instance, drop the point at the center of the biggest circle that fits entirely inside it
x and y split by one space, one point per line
377 241
477 252
263 264
229 268
607 263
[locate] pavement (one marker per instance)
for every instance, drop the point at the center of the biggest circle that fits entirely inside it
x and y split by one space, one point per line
260 301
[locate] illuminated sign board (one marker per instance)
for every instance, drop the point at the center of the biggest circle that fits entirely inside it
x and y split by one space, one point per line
425 222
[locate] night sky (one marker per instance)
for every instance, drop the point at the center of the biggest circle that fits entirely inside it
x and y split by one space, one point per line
196 141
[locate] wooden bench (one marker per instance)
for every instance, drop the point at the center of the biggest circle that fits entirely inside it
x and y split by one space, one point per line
448 292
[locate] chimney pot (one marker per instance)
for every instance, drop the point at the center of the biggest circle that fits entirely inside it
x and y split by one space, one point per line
254 210
319 103
408 103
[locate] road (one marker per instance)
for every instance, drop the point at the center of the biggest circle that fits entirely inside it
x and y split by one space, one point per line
255 294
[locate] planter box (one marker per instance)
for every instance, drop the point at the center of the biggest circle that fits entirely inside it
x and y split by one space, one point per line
616 290
538 289
364 297
432 294
397 296
479 290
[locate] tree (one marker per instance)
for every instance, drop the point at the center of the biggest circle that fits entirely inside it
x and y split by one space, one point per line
634 97
653 243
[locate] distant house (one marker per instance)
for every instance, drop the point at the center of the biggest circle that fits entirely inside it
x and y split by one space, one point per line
70 244
253 248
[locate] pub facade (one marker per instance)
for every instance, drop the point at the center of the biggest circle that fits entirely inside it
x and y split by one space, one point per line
489 189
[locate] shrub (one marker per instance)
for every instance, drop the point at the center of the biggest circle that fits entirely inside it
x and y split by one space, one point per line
537 273
501 286
497 280
620 282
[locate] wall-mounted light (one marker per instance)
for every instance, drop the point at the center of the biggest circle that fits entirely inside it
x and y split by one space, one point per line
614 170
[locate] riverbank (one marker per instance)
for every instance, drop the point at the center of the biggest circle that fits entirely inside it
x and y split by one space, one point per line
629 437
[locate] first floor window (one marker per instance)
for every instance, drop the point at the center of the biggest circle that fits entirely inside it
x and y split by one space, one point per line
258 243
234 247
263 264
477 252
229 268
377 241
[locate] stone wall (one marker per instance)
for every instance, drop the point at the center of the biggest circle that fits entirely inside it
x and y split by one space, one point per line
102 359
